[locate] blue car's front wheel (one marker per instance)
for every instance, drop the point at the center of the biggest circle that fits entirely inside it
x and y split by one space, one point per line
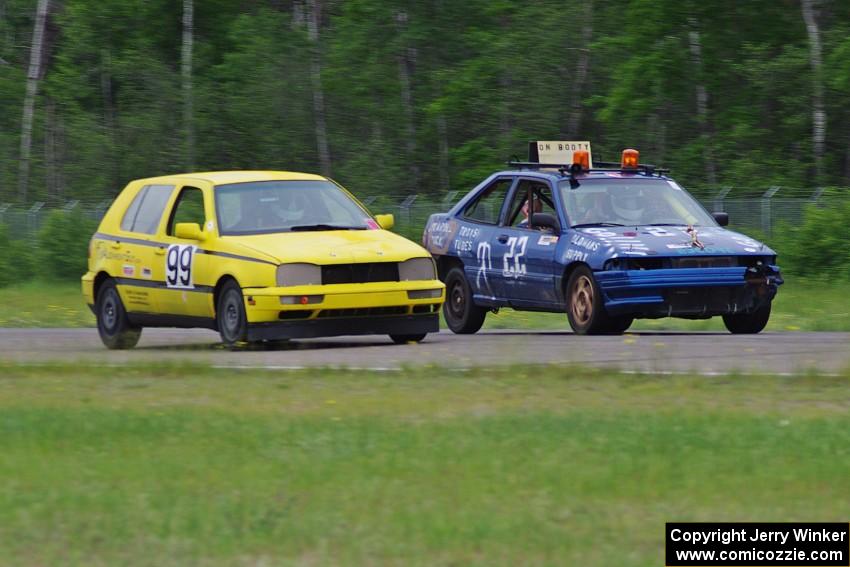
585 308
748 323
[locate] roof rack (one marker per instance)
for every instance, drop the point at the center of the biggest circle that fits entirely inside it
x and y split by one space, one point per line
572 170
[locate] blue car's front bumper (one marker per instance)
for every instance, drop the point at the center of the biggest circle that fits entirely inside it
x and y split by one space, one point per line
688 292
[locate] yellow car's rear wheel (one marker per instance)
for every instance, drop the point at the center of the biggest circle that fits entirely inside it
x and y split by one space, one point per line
114 327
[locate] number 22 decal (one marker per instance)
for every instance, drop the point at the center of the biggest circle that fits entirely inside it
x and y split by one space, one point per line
515 252
178 265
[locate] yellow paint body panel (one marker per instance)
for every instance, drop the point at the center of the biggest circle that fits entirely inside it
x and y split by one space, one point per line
138 262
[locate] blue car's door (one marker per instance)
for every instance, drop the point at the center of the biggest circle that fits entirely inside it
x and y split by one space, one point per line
472 244
526 255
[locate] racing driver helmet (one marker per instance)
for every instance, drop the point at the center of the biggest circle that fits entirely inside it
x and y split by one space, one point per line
629 204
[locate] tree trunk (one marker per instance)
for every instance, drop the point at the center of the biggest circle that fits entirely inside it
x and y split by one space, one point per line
702 103
186 76
818 110
313 25
406 61
33 76
574 119
443 141
50 149
109 115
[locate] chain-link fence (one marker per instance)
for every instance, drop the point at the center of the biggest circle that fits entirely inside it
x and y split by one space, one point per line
762 214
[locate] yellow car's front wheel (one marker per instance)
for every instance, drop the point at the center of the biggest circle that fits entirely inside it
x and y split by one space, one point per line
230 314
404 339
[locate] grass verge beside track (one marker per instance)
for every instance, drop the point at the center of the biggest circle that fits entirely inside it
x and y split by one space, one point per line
187 465
802 305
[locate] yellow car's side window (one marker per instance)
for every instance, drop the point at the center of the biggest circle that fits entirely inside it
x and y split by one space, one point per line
145 212
188 208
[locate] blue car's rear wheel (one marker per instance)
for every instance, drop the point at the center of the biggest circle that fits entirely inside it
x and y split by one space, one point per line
462 315
748 323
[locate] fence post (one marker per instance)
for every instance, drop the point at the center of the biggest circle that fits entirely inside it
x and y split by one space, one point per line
33 217
449 199
718 199
3 208
817 194
766 220
100 209
70 205
406 205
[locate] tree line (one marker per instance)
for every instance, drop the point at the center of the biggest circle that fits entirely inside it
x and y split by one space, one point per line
418 96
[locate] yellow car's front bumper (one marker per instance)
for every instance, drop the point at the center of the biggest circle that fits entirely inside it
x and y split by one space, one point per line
344 309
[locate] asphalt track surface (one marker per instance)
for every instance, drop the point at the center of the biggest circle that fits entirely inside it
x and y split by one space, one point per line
662 352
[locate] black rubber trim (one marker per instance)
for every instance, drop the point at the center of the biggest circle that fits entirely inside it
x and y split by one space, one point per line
180 321
155 244
391 324
162 285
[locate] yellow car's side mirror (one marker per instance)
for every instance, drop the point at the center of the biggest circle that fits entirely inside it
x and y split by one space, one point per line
189 231
386 221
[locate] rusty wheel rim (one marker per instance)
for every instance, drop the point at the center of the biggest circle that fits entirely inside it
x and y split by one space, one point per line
581 300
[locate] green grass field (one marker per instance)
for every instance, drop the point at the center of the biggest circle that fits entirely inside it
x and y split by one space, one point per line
802 305
160 466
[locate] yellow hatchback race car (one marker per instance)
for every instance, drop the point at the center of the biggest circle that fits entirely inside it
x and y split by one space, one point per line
255 255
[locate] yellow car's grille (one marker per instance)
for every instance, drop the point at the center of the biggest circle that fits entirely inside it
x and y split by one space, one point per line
360 273
363 311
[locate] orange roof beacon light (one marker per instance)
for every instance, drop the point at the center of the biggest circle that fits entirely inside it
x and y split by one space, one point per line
582 159
630 159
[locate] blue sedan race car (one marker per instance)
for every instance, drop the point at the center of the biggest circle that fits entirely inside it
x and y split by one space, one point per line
607 244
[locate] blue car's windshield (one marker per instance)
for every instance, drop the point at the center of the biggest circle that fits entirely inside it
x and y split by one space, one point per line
265 207
631 202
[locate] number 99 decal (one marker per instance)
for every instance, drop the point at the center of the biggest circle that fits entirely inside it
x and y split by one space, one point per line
178 265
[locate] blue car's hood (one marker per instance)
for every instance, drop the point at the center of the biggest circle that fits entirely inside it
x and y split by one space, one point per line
666 241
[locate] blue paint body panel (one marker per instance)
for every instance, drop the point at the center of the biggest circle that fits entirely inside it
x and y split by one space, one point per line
642 271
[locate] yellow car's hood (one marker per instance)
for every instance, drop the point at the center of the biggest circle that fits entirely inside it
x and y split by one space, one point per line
333 246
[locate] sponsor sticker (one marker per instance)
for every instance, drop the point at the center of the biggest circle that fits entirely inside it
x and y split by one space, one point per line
147 273
128 270
546 240
372 224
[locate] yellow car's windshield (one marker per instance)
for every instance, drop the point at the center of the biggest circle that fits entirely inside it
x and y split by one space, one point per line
265 207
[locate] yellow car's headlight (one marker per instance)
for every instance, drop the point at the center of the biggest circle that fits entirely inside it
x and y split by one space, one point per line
299 274
417 269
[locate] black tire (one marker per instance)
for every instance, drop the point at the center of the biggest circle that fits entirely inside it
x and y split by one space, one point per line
585 310
748 323
462 315
404 339
619 325
230 315
114 327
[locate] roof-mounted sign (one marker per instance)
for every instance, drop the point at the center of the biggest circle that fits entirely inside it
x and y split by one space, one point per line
557 152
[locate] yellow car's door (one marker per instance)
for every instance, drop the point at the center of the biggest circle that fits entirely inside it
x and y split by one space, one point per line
188 290
131 250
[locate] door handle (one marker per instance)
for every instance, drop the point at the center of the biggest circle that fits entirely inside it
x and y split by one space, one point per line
116 245
503 238
159 251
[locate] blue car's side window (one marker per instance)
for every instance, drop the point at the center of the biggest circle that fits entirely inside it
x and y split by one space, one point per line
488 206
